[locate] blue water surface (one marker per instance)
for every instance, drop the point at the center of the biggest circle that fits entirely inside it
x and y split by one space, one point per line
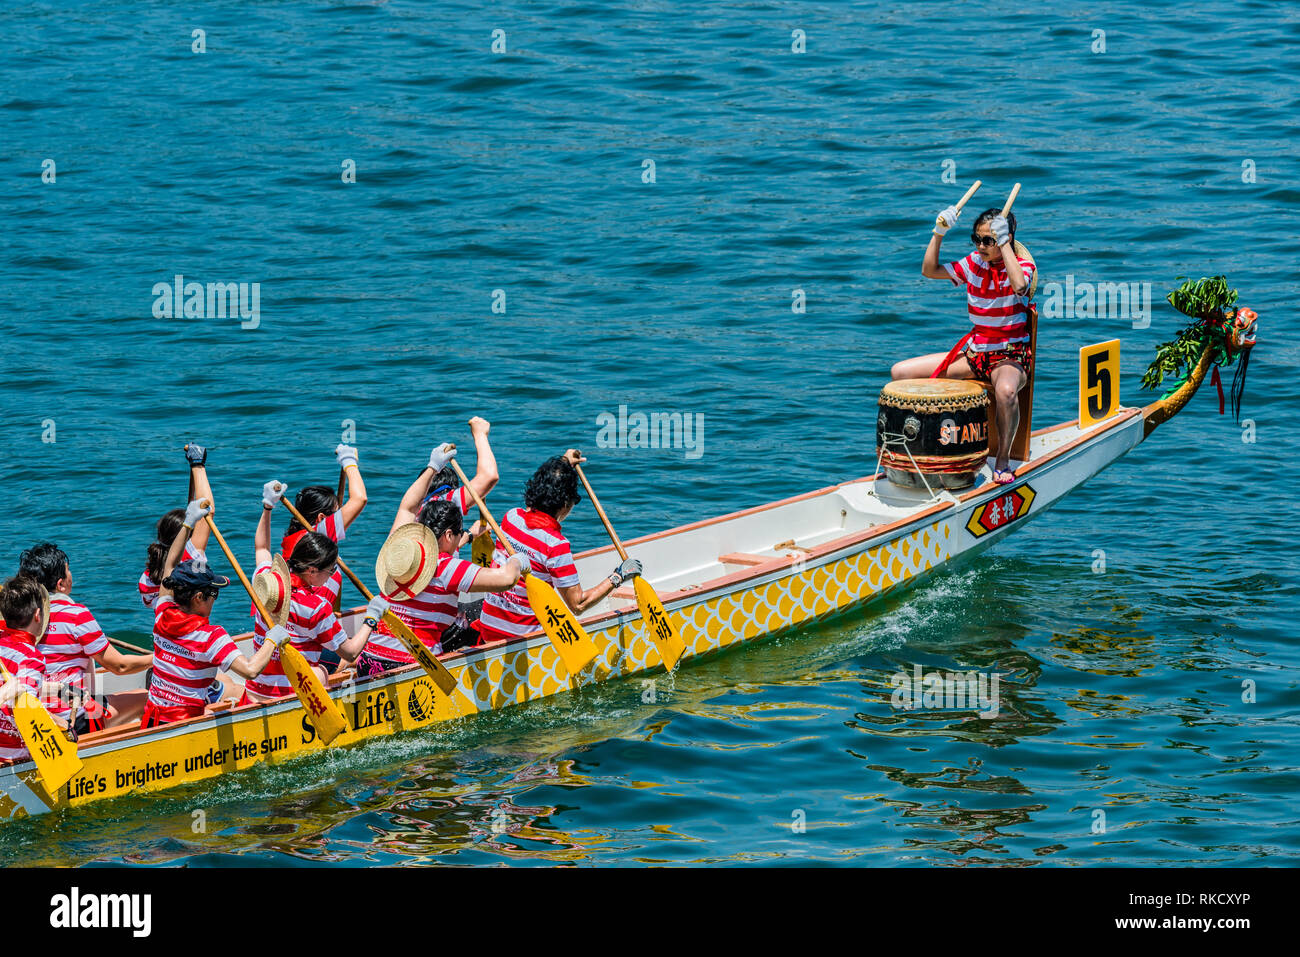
1152 142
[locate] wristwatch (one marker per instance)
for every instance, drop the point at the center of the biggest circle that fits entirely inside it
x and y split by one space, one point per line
371 623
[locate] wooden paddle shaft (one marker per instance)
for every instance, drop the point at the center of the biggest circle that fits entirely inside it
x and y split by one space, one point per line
969 193
1015 191
613 536
343 487
230 557
126 644
339 561
482 509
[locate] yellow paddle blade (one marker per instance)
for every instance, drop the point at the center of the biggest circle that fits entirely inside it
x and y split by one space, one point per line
482 549
662 632
325 715
55 756
573 644
425 658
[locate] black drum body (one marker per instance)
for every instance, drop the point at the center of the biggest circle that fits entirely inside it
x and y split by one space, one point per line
937 428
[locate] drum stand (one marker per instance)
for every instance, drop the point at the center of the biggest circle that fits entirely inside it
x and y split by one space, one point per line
896 440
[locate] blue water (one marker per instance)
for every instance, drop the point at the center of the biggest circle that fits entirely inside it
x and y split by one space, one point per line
773 171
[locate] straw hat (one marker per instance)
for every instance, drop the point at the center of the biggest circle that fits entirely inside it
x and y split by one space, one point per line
407 562
273 588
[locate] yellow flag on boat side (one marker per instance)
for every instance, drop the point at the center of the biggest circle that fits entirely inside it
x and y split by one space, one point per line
568 637
666 637
325 715
55 756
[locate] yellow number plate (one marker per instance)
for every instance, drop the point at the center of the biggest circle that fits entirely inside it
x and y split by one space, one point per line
1098 382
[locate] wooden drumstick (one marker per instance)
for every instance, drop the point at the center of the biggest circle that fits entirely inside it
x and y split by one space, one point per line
1015 191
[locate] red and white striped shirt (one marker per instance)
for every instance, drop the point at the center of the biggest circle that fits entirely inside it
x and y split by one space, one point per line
314 627
69 647
188 651
149 587
428 613
332 526
460 496
22 661
998 314
538 536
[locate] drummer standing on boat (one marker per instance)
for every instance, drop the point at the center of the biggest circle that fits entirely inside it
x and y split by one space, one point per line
997 350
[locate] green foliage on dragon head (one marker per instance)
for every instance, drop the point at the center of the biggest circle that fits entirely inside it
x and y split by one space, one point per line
1221 332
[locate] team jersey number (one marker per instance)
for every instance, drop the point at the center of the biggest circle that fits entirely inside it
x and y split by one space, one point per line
1098 382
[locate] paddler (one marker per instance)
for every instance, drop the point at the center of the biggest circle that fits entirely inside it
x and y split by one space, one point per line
439 481
74 643
292 594
320 505
189 649
534 531
997 350
167 527
420 572
24 613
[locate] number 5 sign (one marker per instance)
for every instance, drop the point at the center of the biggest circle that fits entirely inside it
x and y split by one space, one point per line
1098 382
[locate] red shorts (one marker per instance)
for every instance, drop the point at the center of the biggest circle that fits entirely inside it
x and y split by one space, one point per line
982 364
155 715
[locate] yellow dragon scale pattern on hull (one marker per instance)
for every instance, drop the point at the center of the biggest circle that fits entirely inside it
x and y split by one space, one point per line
213 748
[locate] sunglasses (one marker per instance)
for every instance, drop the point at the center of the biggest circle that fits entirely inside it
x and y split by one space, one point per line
983 240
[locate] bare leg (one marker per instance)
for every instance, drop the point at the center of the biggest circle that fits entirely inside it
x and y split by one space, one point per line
922 367
1008 379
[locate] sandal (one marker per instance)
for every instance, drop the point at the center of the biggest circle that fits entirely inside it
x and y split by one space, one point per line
1010 476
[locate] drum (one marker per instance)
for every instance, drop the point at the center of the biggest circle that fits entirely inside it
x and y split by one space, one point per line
938 428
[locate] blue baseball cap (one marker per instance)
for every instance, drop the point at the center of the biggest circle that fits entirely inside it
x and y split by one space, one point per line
196 574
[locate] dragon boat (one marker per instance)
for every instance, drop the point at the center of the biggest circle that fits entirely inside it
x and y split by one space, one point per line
724 582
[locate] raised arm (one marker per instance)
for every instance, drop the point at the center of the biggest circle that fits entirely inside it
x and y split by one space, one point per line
408 510
197 455
347 456
485 472
1002 235
272 492
194 514
945 220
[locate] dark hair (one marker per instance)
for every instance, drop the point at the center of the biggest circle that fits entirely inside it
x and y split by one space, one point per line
441 516
311 501
184 593
165 532
553 487
23 597
46 562
446 480
314 550
988 214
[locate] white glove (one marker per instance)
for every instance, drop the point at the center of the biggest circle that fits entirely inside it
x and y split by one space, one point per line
378 605
346 454
194 513
525 566
946 219
1001 231
440 456
278 635
272 492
